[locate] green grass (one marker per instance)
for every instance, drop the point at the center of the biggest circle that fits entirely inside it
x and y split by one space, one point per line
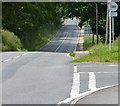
101 53
88 41
10 42
72 54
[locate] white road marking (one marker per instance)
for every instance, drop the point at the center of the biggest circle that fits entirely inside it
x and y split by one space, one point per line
7 60
75 92
24 54
111 65
61 43
75 69
92 81
16 57
76 85
68 55
97 72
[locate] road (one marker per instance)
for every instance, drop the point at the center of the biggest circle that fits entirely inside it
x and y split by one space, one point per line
94 76
47 77
66 39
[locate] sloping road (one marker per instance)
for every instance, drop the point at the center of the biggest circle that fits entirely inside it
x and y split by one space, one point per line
41 77
47 77
66 39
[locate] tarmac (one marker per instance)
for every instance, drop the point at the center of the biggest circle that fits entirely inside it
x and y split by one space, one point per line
108 95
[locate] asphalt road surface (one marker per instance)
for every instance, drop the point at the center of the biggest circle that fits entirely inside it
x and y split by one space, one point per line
66 39
94 76
47 77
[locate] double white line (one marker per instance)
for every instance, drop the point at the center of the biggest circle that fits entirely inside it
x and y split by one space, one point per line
76 82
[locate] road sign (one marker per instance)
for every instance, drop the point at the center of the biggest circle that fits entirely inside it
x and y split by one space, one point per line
113 14
113 6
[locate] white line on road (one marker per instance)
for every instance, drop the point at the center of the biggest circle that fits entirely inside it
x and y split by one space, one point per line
24 54
92 81
16 57
113 65
6 60
61 43
75 69
97 72
76 85
91 66
68 55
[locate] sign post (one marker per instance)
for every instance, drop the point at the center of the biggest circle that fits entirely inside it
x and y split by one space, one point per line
110 43
112 8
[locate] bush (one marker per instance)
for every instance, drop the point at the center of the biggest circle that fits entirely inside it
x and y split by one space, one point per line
72 54
10 42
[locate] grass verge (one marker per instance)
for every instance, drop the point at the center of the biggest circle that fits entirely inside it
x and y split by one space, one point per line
101 53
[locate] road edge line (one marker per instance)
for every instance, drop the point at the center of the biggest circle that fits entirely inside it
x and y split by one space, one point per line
90 92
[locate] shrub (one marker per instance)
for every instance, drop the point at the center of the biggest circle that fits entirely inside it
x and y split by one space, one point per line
10 42
72 54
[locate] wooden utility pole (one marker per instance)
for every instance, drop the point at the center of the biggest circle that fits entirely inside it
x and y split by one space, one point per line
107 27
97 22
93 39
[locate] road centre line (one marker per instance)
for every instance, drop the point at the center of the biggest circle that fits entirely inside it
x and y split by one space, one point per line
61 43
15 57
6 60
92 81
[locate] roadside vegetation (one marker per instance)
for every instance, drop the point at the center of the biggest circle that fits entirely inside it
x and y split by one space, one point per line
101 53
88 41
10 41
35 23
72 54
44 35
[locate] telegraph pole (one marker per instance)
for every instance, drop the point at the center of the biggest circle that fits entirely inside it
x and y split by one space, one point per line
97 22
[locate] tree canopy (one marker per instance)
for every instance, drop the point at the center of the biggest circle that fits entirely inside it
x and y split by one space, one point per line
26 18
